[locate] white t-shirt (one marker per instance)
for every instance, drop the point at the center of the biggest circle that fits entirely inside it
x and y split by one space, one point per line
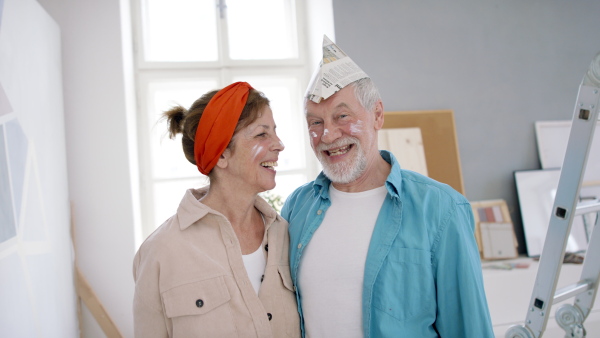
255 264
332 267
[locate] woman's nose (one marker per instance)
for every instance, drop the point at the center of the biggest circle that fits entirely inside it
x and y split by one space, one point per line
278 146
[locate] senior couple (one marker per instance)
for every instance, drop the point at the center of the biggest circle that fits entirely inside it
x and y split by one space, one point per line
367 249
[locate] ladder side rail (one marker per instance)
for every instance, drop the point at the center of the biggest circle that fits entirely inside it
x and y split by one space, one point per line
563 211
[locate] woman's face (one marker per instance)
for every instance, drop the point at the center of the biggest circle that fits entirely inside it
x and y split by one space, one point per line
255 153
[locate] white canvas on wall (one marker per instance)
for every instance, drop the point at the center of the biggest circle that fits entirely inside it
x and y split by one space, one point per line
36 263
552 138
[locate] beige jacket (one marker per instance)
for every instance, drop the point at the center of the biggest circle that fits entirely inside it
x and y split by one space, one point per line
190 280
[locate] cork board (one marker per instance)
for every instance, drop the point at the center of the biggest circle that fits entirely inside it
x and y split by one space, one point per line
439 140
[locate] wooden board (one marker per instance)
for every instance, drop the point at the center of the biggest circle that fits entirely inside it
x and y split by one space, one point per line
439 140
407 146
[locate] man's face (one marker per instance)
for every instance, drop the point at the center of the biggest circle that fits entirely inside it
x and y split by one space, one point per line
343 135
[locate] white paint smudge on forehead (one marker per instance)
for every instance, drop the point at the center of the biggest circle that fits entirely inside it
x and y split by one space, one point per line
356 128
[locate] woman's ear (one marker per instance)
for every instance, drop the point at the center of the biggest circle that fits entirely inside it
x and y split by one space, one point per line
224 159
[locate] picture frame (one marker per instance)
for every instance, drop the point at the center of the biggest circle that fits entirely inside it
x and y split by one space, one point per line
536 190
494 230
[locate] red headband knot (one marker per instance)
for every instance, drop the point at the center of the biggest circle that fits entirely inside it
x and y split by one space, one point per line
217 124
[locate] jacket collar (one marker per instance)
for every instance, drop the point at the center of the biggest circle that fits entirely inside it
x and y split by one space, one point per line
393 183
191 210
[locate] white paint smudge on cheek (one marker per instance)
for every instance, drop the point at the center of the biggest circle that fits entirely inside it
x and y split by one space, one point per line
325 132
313 134
356 128
256 150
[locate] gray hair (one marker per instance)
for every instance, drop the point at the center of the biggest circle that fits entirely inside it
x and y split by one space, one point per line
365 92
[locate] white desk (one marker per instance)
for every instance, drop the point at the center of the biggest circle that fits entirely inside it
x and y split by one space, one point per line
509 292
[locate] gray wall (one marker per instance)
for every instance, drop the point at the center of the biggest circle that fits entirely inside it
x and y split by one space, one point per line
500 65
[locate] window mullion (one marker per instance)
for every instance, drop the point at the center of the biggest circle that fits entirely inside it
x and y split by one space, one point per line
223 39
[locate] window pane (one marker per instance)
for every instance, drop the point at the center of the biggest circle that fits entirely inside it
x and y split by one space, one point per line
167 196
261 29
286 184
180 30
285 102
168 160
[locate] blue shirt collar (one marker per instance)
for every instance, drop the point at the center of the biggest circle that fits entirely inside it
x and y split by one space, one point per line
393 183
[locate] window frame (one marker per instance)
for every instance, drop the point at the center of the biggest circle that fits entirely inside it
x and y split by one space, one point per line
223 70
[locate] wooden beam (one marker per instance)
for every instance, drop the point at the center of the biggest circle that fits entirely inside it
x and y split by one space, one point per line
87 294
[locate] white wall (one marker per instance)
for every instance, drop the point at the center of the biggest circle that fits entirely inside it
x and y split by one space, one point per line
500 65
102 179
37 293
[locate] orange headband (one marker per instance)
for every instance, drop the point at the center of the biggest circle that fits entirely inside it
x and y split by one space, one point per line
217 124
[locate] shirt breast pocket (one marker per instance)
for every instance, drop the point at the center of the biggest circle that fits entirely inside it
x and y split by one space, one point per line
200 309
404 288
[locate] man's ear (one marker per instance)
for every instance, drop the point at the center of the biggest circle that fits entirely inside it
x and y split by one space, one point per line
224 159
378 111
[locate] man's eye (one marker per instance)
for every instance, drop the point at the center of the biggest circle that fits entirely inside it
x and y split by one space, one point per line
261 135
315 123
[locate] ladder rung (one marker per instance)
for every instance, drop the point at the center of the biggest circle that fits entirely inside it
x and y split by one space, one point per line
588 208
572 290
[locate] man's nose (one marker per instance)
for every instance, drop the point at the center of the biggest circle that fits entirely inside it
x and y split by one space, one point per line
330 133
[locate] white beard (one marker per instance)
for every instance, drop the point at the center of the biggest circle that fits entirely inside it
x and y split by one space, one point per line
347 171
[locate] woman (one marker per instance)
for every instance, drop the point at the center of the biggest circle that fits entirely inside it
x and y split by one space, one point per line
219 267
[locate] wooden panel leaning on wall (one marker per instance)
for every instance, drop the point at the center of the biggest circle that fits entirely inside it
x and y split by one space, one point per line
439 140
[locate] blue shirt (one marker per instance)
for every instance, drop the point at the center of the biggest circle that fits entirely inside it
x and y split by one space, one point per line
423 273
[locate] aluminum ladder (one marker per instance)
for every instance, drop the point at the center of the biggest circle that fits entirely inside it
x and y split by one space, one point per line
569 317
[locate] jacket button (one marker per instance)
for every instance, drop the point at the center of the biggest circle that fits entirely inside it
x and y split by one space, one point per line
300 246
319 212
199 303
262 278
270 316
266 247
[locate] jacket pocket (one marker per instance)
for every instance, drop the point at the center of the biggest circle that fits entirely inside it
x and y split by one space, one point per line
286 277
200 309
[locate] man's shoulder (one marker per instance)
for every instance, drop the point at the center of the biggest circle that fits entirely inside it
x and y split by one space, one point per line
298 197
420 185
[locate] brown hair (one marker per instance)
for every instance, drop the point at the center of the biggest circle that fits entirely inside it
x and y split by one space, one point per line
185 121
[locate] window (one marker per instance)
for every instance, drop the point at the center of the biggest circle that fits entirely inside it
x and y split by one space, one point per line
185 48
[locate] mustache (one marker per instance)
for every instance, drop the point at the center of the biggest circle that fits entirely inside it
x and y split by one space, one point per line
338 143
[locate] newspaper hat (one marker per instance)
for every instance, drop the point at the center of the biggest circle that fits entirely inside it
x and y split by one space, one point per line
336 70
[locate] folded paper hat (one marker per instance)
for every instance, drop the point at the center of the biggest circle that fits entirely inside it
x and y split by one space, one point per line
336 70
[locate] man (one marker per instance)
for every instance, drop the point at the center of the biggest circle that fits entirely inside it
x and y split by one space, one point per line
377 251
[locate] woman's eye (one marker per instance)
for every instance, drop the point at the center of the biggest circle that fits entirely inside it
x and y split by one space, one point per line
261 135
